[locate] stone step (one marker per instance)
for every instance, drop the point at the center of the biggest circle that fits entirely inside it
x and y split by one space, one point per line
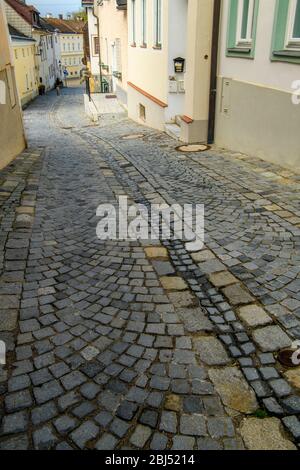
173 130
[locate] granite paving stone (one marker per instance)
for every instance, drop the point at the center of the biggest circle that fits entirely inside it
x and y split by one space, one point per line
271 338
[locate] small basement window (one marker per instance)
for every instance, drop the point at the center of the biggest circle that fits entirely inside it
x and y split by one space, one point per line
142 112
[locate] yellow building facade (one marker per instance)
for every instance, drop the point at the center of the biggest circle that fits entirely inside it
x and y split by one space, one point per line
25 68
12 139
71 46
70 36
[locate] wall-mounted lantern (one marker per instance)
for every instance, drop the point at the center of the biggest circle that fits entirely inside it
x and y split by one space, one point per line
179 65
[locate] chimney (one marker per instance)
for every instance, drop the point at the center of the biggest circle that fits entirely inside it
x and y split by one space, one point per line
49 15
61 17
69 17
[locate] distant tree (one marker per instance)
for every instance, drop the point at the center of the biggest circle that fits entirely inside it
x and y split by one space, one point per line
79 14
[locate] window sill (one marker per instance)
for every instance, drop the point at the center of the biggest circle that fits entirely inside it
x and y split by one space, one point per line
240 52
285 55
133 44
143 46
157 47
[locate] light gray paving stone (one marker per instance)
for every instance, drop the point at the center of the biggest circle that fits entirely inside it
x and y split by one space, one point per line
168 422
106 442
86 432
140 436
44 438
193 425
211 351
15 423
183 443
271 338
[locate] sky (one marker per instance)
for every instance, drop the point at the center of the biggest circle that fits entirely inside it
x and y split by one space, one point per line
55 6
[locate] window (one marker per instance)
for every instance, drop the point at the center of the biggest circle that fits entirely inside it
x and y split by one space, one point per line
242 28
245 22
11 88
293 30
133 22
286 35
144 23
142 112
157 23
118 56
96 45
16 53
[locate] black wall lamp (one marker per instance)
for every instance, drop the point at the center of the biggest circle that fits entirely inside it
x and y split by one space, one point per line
179 65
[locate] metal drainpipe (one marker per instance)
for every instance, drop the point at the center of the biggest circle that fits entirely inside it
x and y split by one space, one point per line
214 71
98 31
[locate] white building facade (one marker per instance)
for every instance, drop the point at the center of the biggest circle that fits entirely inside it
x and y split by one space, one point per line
113 44
48 56
240 85
258 105
160 95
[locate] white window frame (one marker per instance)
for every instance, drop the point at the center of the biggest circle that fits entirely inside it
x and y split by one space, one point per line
249 36
94 38
10 85
291 42
157 34
143 22
133 23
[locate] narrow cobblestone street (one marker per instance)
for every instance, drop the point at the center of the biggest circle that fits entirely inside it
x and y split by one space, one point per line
123 345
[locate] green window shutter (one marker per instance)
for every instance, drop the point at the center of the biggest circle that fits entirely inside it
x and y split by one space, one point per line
232 49
279 52
232 24
296 31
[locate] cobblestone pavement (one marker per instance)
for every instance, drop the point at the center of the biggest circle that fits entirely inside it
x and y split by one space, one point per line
126 345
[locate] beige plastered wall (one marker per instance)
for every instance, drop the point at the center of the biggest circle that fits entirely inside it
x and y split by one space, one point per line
12 140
